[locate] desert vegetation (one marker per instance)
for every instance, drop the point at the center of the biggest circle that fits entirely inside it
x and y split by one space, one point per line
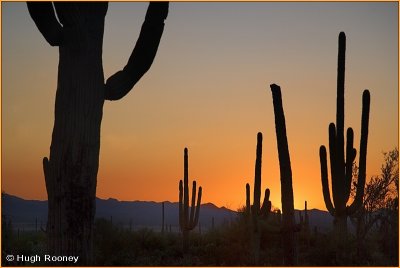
228 244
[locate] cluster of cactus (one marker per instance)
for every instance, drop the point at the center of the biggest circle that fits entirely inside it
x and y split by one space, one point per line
288 220
256 211
341 171
341 167
188 222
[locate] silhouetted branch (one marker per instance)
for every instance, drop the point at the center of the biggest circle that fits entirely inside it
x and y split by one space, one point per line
363 153
44 17
119 84
324 179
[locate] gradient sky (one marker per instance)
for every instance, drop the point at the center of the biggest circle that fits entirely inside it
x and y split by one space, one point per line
208 90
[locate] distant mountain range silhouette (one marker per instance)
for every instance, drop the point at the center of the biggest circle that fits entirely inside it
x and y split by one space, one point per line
31 214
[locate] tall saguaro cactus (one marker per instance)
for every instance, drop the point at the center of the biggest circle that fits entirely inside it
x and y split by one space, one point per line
256 211
186 222
341 161
288 220
71 170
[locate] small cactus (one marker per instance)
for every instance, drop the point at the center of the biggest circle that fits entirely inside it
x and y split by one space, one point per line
186 222
306 220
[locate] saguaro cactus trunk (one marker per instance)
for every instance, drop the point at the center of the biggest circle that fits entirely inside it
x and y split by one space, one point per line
71 170
288 220
341 167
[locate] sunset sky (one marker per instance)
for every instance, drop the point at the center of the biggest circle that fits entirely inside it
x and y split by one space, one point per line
208 90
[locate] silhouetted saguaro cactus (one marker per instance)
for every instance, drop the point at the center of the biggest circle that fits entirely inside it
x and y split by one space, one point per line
162 215
255 212
248 206
306 220
306 225
341 167
71 170
288 220
186 222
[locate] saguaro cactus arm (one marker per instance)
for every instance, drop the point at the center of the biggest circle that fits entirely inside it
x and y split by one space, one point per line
350 156
266 206
197 215
119 84
45 19
248 208
363 153
192 208
324 180
181 222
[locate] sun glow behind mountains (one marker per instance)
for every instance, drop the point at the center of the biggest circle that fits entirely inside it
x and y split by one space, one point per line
208 90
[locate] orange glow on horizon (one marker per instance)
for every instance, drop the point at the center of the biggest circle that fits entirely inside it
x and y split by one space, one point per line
208 90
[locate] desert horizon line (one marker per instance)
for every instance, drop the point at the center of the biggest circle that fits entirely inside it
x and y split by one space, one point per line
159 202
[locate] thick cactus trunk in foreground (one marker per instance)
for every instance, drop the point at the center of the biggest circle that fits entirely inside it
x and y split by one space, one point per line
342 161
71 170
288 220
